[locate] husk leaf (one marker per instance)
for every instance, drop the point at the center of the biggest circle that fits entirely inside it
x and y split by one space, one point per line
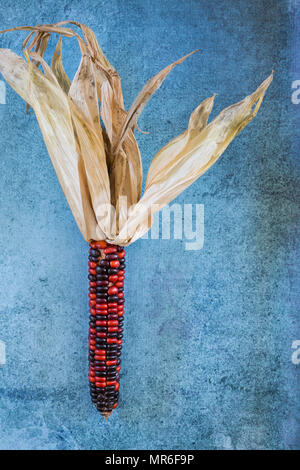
143 97
50 105
58 68
187 157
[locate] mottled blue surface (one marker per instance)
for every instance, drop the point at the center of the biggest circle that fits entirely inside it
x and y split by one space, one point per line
207 356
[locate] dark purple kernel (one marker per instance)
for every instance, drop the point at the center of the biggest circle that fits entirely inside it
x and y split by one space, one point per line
112 271
100 363
94 259
103 262
112 256
102 284
101 290
113 316
95 253
102 272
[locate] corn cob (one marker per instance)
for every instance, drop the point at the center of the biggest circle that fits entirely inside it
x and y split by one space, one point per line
106 302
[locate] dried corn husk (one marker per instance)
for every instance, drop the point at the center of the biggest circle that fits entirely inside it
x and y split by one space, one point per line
100 169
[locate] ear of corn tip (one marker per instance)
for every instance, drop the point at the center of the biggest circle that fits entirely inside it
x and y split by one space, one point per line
106 301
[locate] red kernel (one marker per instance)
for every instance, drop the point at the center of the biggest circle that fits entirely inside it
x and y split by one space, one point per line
101 352
102 312
100 385
115 264
109 250
112 290
101 307
100 358
100 244
111 363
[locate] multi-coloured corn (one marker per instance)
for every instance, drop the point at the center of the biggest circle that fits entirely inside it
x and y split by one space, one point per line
106 303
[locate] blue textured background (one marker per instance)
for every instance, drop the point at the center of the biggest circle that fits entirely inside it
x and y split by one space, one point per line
207 356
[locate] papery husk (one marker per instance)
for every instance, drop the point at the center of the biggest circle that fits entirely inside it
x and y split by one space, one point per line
100 170
48 101
143 97
58 68
177 165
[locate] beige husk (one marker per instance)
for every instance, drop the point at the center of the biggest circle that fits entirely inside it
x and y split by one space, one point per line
100 169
